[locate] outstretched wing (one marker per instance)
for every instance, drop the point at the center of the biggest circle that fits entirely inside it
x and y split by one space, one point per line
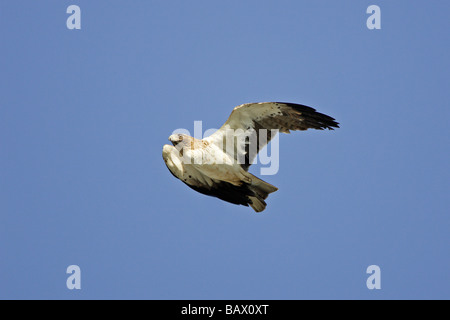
251 126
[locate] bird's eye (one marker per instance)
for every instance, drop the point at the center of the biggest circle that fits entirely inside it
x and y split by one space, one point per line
180 137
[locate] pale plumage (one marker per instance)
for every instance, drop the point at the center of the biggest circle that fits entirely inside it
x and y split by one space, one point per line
217 165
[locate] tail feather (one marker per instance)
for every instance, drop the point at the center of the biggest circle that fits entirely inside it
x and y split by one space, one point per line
262 190
257 204
261 187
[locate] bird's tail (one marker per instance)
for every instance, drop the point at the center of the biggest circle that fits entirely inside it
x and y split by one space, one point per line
261 189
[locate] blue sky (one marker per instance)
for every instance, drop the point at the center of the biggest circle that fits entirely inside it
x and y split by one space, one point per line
84 115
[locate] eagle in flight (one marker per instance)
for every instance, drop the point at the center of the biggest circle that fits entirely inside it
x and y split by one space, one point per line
218 165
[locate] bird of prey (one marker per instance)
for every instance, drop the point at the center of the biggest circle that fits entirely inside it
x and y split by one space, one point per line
218 165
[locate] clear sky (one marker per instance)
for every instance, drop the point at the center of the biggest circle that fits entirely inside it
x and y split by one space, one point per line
84 115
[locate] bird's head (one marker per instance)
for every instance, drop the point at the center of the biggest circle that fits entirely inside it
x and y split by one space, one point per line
177 138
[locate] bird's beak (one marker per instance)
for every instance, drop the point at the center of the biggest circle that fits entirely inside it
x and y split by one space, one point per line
174 139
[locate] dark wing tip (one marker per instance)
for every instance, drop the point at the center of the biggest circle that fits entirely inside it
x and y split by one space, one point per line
226 192
313 118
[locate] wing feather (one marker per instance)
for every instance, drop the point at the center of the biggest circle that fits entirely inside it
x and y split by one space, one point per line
198 180
249 119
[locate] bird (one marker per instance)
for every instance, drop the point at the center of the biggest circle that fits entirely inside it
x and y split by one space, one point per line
218 165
